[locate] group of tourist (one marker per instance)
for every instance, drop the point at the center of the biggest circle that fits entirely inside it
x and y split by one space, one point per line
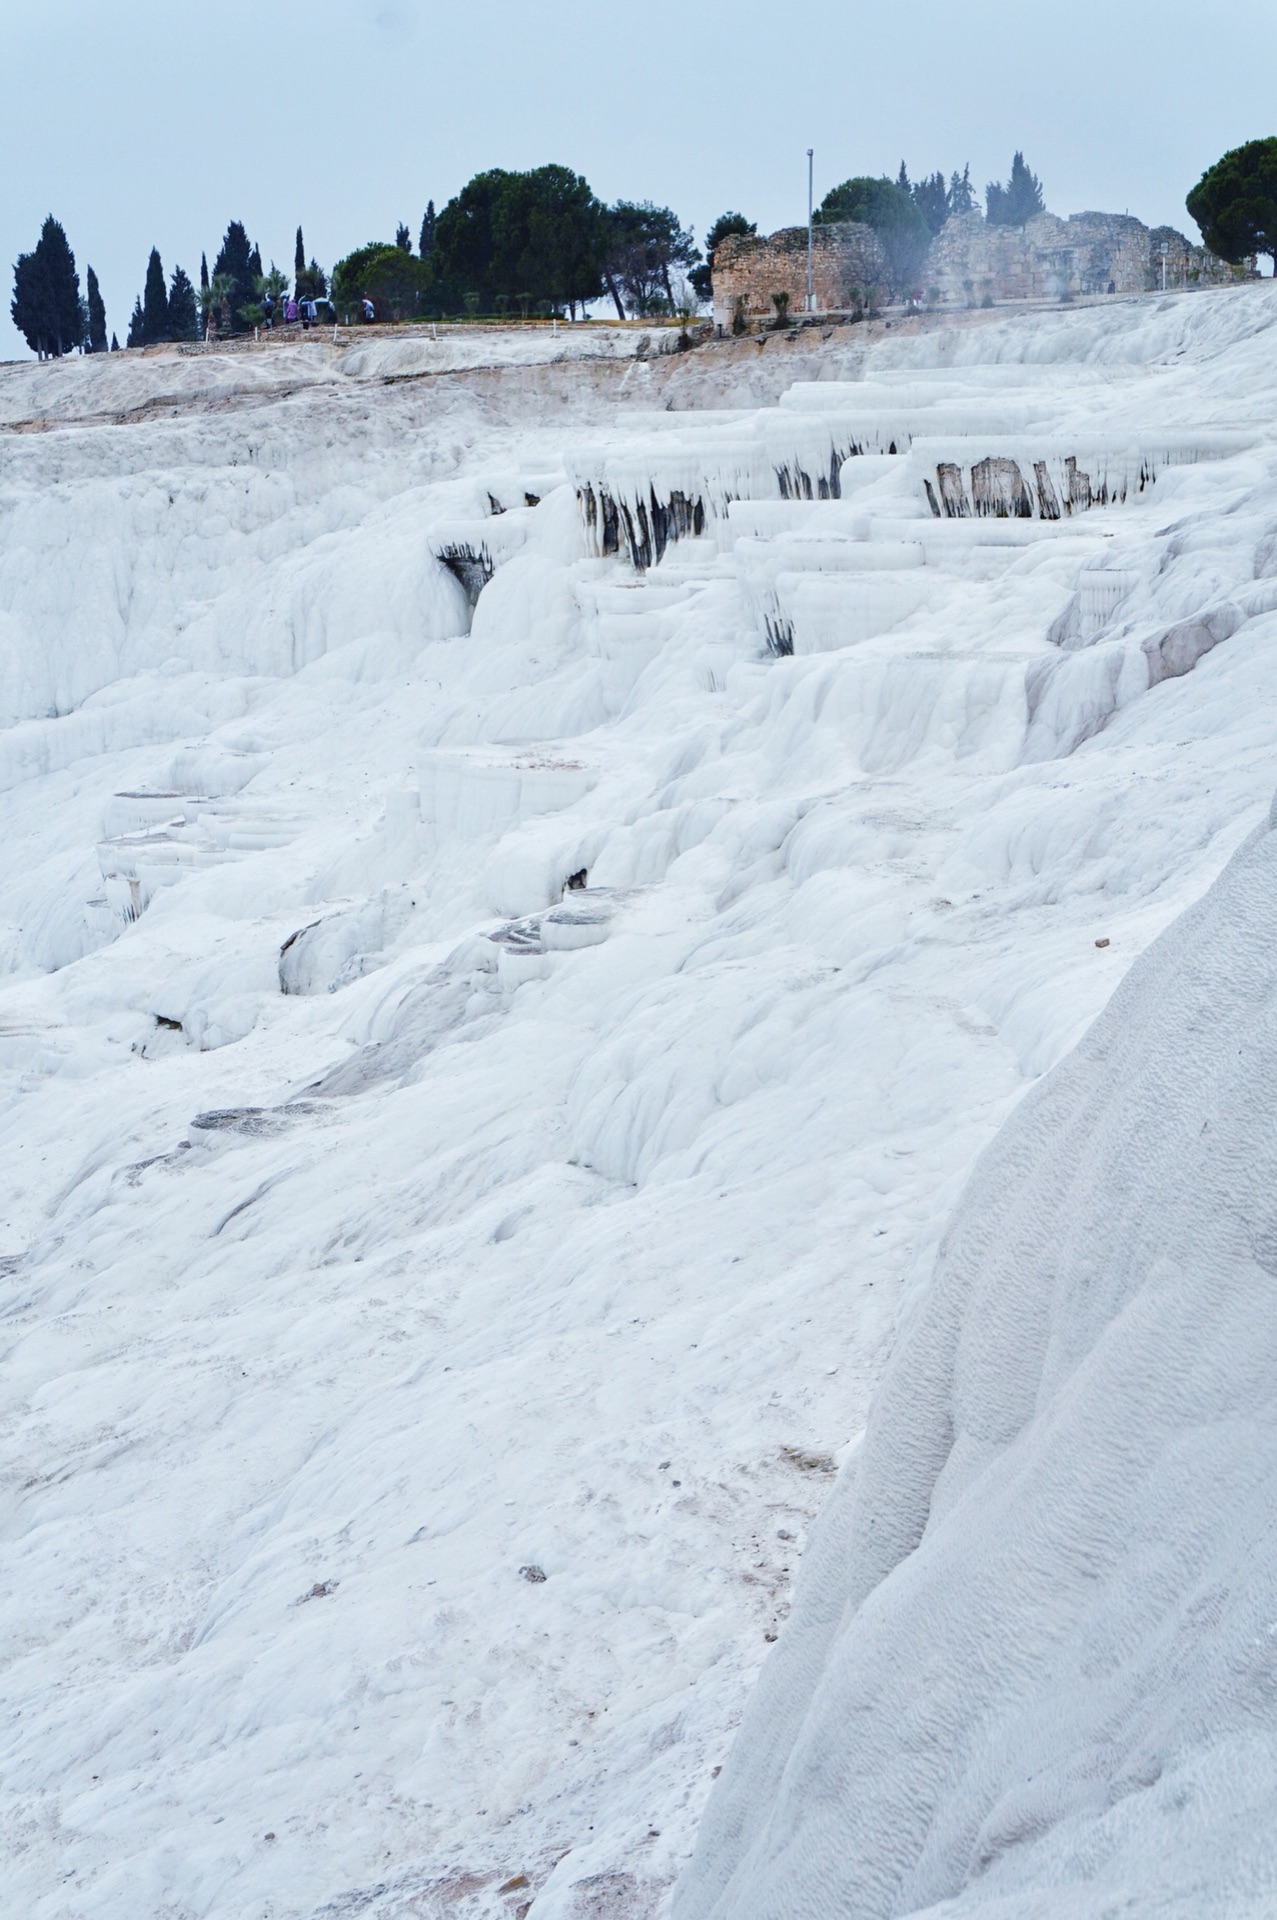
290 311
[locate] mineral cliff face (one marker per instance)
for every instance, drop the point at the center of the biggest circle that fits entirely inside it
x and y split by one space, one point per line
969 264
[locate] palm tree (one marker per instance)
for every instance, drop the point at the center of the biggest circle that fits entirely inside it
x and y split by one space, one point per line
273 285
215 302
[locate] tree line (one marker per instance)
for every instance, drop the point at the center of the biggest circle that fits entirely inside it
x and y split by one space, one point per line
236 297
54 318
540 242
527 243
509 244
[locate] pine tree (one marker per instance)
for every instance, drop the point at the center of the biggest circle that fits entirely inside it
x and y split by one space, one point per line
183 321
154 302
426 245
539 234
1235 203
46 305
642 243
902 179
403 239
96 330
137 327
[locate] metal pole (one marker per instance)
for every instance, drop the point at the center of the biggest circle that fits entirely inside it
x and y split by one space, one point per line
811 305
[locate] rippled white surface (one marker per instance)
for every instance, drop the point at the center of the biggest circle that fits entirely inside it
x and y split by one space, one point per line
580 1250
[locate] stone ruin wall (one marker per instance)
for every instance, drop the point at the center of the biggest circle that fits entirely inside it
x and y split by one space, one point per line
1190 266
847 261
969 264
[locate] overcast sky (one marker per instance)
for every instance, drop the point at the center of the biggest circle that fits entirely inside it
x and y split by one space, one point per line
142 124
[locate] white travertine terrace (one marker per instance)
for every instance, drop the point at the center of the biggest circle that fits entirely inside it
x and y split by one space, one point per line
496 1025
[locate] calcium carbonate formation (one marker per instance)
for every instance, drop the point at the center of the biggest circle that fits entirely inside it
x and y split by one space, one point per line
531 877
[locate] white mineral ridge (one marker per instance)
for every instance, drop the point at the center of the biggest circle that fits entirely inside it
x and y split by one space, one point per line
1034 1661
438 1298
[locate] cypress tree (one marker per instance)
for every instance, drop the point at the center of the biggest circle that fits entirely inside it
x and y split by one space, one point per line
961 191
154 302
403 239
235 259
64 284
115 345
46 304
203 273
427 243
931 198
137 327
97 314
255 265
299 259
30 303
1024 193
183 323
1011 205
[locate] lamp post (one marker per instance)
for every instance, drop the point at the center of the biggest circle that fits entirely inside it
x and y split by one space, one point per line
811 305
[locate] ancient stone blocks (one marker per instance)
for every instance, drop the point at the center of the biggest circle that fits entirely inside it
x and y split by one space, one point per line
969 264
750 271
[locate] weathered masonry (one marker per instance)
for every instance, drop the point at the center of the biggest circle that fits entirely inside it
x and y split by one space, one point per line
969 264
751 272
970 261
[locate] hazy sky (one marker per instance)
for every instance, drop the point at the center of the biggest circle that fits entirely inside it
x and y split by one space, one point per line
144 124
